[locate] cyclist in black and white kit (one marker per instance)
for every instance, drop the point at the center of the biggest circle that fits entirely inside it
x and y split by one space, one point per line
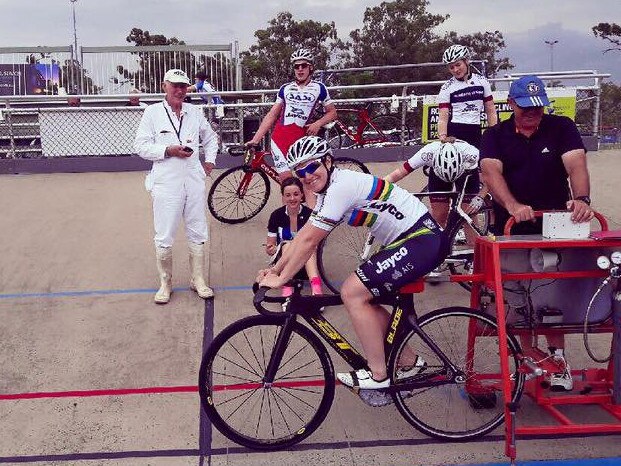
413 245
461 101
447 161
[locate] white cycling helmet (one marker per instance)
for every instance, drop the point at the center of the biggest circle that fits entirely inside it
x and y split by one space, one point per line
448 163
302 55
455 53
307 148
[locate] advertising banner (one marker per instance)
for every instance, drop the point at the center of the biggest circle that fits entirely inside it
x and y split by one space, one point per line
563 102
27 79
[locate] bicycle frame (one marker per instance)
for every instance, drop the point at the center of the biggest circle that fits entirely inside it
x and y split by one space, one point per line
364 119
308 307
255 161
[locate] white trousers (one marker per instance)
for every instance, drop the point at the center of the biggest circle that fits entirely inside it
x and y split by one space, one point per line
175 201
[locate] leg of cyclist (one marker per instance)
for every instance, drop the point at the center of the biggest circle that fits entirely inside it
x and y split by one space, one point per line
473 189
312 270
370 322
412 255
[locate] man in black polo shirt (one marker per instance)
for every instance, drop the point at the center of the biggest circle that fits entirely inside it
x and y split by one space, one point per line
527 159
529 163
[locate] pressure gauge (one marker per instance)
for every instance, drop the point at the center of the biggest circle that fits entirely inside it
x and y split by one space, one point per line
615 257
603 262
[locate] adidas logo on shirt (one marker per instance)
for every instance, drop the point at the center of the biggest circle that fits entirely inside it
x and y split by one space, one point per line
545 151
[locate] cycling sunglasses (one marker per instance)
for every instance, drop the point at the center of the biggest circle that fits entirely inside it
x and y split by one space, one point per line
308 169
300 66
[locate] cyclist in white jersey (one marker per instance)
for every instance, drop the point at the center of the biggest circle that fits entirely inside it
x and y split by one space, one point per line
292 110
461 101
413 245
436 155
463 98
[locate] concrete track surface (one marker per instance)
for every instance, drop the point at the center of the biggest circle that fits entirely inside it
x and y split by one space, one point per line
92 372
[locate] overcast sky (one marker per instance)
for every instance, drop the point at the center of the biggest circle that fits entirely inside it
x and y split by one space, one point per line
525 24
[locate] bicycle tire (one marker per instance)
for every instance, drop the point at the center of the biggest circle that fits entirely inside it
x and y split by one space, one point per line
225 202
390 128
334 137
460 260
349 163
237 403
339 254
456 411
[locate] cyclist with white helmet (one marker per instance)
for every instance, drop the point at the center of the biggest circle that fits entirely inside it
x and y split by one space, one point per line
413 245
461 101
448 161
290 114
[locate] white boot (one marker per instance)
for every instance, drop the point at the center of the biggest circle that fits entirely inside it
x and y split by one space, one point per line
164 267
197 266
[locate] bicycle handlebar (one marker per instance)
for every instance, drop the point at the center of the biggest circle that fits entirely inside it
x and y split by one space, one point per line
260 297
237 151
539 213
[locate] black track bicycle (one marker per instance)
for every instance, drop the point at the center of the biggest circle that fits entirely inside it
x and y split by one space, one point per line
267 381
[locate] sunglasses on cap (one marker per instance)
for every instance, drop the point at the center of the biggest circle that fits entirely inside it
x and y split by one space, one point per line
309 169
300 66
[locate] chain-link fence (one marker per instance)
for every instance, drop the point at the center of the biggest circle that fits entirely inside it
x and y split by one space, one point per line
91 131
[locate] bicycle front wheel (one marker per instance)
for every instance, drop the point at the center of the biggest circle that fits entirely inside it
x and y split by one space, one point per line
455 411
385 130
460 260
351 164
341 252
248 411
238 194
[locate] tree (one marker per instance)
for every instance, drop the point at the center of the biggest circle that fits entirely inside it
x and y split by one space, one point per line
610 32
266 64
485 46
148 77
395 33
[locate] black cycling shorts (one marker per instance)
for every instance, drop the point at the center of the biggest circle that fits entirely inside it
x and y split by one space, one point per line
412 255
436 184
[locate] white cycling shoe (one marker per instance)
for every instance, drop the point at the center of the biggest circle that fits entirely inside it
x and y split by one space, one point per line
362 379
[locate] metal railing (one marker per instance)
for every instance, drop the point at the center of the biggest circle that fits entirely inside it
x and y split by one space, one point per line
27 121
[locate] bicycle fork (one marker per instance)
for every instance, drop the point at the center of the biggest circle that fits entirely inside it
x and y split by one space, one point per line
280 346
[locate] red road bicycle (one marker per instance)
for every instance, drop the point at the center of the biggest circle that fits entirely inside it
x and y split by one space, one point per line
355 127
241 192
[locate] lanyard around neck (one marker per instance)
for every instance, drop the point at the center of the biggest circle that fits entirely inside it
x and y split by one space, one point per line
177 131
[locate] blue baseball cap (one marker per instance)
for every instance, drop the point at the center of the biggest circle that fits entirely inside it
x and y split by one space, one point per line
529 91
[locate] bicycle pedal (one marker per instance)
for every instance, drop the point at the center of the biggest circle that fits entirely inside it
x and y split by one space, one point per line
375 398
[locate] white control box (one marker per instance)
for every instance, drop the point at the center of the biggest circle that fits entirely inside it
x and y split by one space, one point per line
559 225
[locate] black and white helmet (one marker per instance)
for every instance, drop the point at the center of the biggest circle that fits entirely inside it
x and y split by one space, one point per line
455 53
448 163
307 148
302 55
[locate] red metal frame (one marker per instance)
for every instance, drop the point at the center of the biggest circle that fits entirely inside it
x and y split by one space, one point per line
487 271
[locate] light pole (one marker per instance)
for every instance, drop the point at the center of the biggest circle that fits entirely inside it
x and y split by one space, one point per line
75 44
551 43
75 32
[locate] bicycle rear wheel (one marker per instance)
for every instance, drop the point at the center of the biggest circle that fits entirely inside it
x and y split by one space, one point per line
238 194
340 253
247 411
386 130
351 164
456 411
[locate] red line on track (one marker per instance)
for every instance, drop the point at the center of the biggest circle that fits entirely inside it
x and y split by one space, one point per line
110 392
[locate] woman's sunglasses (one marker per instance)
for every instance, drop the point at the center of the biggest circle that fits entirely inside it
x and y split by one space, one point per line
308 169
300 66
